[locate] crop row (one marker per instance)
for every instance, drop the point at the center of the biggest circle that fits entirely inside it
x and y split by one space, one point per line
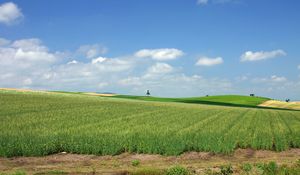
42 124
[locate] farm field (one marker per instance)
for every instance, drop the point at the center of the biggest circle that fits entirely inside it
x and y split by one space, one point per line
37 124
223 100
281 104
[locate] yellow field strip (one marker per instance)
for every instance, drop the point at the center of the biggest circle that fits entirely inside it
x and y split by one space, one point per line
281 104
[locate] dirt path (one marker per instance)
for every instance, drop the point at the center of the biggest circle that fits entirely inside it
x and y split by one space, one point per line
90 164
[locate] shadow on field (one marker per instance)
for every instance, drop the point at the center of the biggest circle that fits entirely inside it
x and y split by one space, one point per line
229 104
196 101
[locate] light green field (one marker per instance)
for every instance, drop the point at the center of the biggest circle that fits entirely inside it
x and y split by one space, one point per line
34 124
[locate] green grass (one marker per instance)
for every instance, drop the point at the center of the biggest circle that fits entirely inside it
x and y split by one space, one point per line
35 124
223 100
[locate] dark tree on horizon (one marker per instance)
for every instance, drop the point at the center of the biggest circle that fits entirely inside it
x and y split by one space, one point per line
148 93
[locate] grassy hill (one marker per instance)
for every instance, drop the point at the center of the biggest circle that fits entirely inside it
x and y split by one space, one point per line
37 123
225 100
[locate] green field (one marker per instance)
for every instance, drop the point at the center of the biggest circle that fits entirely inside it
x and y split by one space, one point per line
35 124
224 100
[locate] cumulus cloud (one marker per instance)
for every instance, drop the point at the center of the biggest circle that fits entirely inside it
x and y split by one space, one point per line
262 55
29 63
98 60
9 13
160 54
26 53
21 60
158 69
72 62
4 42
91 51
97 74
112 64
206 61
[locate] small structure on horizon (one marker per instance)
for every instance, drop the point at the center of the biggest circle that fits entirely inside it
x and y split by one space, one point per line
148 93
252 95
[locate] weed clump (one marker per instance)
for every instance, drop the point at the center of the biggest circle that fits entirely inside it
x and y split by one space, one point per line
177 170
135 162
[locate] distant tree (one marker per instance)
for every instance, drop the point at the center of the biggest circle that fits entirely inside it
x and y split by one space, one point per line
287 100
148 93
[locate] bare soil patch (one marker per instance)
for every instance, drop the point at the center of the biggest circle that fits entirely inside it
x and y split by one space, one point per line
91 164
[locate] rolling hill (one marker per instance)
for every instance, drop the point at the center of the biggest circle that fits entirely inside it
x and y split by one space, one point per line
224 100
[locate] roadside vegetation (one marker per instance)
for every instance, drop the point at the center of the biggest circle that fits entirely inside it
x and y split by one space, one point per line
268 168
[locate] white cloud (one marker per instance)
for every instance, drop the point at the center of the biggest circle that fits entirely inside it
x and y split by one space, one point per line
9 13
4 42
299 66
73 62
91 51
206 61
275 78
22 60
98 60
26 53
160 54
28 63
262 55
112 64
89 76
131 81
202 2
160 68
271 79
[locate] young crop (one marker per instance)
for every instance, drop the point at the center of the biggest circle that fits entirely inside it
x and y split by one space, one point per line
36 124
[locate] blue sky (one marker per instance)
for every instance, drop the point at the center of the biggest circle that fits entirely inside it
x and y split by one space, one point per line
171 47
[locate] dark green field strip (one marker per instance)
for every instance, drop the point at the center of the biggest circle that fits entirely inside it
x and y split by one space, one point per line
41 124
222 100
